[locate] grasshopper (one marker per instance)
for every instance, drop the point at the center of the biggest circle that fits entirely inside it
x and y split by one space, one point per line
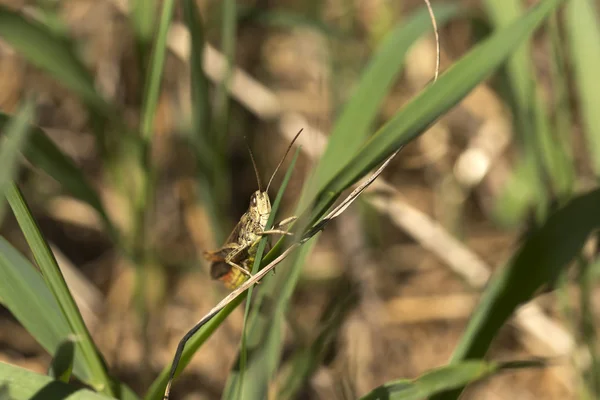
233 262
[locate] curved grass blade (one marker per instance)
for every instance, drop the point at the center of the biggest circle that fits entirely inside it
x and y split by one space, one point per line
44 154
13 139
48 51
51 273
445 378
22 384
62 362
29 300
537 263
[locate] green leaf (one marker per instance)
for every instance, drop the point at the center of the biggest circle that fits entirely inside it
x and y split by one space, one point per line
24 384
583 32
538 262
62 362
11 143
52 53
27 297
43 153
444 378
45 260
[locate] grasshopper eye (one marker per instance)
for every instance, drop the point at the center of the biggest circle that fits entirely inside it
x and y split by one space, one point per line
253 200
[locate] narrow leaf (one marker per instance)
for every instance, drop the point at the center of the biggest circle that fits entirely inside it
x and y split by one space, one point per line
56 283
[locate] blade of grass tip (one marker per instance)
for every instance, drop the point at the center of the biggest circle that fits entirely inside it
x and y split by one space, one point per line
23 384
45 155
350 131
29 300
236 377
200 137
445 378
539 261
583 33
55 281
40 46
11 143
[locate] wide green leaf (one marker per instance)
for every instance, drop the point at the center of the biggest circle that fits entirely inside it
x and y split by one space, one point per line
99 378
27 297
538 262
24 384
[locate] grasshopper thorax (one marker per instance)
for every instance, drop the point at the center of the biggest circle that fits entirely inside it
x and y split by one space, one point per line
260 208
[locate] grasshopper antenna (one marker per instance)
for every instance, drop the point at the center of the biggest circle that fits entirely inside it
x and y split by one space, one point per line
282 159
254 165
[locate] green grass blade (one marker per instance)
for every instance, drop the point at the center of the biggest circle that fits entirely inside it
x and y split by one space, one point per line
23 384
583 31
29 300
44 49
55 281
157 61
62 362
210 165
12 141
44 154
444 378
235 382
538 262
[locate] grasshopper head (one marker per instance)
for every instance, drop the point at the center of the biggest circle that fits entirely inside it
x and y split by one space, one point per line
260 207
